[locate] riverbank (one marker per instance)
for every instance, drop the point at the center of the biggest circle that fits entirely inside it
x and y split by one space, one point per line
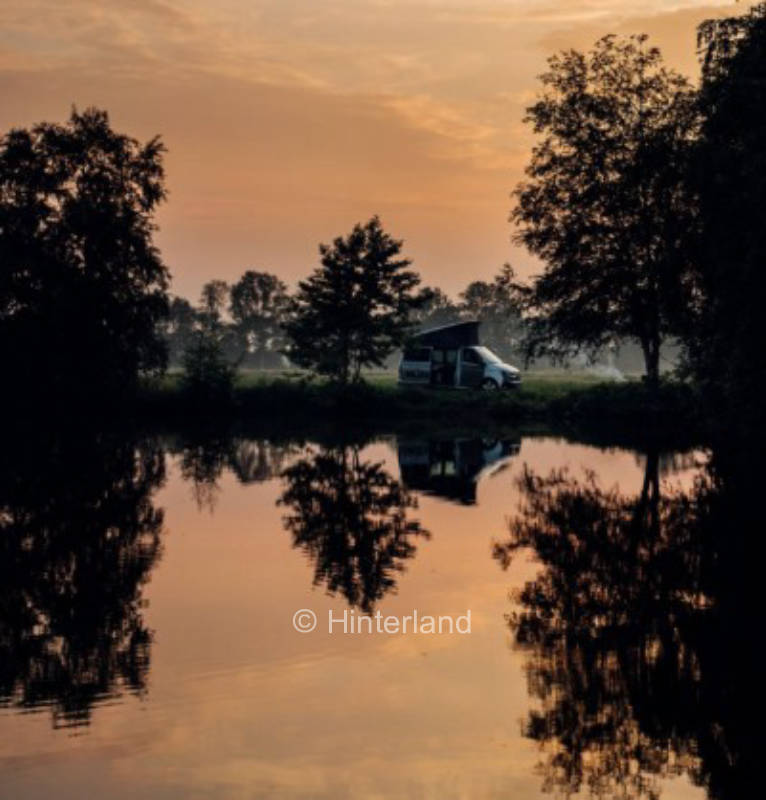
291 400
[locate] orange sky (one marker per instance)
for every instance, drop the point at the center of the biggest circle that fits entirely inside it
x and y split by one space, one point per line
287 121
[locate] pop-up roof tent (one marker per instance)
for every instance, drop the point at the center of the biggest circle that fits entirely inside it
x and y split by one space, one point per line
449 337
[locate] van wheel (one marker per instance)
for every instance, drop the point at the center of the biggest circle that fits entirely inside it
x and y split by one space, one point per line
489 385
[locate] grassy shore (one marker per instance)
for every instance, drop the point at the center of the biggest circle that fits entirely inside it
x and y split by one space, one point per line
555 400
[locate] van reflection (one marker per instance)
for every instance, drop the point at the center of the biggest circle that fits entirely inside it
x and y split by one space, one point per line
451 468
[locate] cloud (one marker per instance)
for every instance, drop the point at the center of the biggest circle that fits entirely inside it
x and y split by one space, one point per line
282 114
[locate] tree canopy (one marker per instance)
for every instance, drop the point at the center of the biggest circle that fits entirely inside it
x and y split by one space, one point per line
82 285
496 304
354 309
258 304
604 204
724 335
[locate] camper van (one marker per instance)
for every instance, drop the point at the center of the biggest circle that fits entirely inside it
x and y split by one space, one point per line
452 356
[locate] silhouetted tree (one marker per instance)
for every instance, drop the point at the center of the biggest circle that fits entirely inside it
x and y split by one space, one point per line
212 302
258 305
355 309
209 365
178 328
207 375
725 335
436 309
79 537
351 518
82 286
604 205
496 305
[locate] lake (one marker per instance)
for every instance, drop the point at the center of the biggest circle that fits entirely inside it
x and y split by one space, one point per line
596 637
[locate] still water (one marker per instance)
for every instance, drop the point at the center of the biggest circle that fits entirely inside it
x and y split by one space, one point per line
149 586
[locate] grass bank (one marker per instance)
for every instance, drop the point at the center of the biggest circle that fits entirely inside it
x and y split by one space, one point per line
560 401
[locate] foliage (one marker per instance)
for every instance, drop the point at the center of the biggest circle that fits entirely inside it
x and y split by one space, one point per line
496 304
82 286
604 205
355 309
724 335
208 371
178 328
207 374
436 309
212 302
258 305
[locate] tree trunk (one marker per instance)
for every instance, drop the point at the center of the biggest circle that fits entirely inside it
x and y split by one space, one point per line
345 362
651 349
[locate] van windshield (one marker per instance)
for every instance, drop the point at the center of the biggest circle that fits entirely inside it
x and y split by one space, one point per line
487 355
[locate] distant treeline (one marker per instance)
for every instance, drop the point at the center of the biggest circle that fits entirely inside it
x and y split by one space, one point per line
253 311
251 314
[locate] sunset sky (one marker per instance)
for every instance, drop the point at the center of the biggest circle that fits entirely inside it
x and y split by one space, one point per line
287 121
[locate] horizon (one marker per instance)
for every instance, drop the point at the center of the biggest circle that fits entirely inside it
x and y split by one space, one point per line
286 126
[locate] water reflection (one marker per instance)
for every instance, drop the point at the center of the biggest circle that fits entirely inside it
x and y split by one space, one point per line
450 468
638 629
352 518
79 535
205 454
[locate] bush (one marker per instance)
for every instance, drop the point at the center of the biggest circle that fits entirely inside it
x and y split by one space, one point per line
207 377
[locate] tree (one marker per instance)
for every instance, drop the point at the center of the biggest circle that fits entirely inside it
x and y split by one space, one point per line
354 309
437 309
82 285
210 357
179 327
258 304
604 205
496 304
212 302
724 335
208 377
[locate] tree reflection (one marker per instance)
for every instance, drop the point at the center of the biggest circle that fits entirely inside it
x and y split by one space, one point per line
202 460
351 517
205 454
79 535
636 628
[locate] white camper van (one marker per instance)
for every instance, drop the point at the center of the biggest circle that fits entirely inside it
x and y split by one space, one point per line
452 356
